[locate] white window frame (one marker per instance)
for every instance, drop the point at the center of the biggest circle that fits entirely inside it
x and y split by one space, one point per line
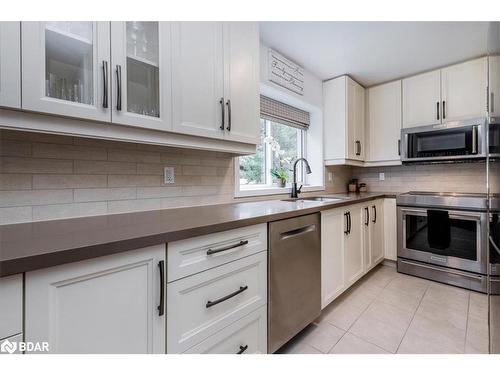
268 188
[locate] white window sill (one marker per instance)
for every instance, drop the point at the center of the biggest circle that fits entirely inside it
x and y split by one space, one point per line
271 190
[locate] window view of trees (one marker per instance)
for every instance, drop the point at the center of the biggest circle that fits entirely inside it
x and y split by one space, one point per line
280 146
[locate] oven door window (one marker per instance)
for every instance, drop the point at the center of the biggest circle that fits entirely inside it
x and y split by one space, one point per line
463 237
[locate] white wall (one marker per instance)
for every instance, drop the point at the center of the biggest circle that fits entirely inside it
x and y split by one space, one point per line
311 101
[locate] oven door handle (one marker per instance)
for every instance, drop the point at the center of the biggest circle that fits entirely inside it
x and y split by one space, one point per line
494 245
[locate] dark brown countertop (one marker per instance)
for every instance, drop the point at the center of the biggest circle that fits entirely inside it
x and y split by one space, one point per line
30 246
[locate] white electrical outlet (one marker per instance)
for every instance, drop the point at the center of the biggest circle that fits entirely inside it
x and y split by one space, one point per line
381 176
168 175
330 176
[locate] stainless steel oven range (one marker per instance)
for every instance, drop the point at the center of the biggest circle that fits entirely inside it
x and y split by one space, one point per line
444 237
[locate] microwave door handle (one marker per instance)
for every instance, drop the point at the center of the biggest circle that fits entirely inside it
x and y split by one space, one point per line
474 139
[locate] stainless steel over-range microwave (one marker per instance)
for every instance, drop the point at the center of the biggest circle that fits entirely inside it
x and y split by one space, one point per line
457 140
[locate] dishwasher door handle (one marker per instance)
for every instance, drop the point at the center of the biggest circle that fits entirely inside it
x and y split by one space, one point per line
297 232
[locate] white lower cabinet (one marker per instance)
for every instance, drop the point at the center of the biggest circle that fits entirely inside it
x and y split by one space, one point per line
390 229
332 255
200 305
353 239
353 245
110 304
246 336
373 233
11 305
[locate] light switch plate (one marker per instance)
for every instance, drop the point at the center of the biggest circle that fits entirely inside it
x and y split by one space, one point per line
168 175
330 176
381 176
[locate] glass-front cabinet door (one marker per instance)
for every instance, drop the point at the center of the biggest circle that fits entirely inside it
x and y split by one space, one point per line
140 56
65 68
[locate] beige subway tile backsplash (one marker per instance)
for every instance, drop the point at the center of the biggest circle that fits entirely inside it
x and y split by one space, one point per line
45 177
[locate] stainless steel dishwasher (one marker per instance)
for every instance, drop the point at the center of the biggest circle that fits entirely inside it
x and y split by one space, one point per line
294 275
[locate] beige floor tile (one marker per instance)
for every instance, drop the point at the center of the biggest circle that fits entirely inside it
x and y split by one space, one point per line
350 344
427 336
477 339
298 347
478 305
343 314
380 276
323 336
443 314
409 284
400 298
383 324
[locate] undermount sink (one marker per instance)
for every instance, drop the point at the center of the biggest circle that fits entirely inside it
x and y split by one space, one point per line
314 199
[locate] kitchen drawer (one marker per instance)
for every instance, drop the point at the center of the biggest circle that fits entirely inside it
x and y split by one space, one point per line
248 336
11 302
188 257
191 319
12 349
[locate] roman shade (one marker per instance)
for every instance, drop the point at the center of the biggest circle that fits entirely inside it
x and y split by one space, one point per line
274 110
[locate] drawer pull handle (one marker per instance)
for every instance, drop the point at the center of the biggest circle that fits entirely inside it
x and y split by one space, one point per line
242 349
215 251
217 301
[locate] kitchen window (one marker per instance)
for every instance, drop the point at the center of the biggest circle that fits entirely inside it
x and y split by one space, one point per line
282 141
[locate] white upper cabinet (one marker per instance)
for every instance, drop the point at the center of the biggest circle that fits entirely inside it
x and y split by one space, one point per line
110 304
355 120
344 114
421 99
383 128
65 69
494 85
198 79
215 80
455 93
141 74
464 90
241 81
10 64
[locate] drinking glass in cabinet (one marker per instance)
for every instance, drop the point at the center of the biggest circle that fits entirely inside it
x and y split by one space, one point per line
143 86
69 61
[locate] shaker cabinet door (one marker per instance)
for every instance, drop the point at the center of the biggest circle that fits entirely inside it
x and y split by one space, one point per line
241 81
465 90
384 122
422 99
107 305
353 246
141 74
65 69
10 64
494 85
332 255
198 79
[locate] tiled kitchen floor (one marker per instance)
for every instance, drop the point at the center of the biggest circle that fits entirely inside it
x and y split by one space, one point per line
387 312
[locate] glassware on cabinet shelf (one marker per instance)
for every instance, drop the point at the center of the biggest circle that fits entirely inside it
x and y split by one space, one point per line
143 73
69 65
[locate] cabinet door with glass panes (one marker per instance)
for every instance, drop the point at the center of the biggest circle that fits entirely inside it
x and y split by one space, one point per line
65 68
140 60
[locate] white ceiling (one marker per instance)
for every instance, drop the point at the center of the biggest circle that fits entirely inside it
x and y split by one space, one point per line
375 52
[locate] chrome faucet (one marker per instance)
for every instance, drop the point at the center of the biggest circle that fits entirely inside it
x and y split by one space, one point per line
294 193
